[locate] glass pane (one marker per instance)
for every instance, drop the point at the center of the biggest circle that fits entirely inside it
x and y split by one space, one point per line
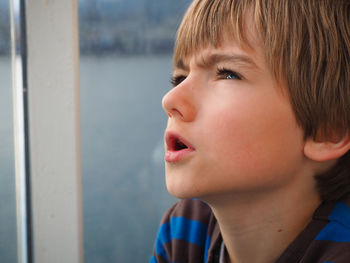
8 231
126 63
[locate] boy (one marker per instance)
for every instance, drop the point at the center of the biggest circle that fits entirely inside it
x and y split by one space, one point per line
259 134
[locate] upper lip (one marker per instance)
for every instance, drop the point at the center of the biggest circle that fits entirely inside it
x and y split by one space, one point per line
175 142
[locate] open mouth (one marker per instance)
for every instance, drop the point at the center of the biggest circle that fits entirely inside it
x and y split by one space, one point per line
177 148
179 145
176 143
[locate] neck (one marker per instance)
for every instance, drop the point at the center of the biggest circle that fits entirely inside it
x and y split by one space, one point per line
258 228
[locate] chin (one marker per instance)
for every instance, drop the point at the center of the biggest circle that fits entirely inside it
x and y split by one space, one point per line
180 192
180 189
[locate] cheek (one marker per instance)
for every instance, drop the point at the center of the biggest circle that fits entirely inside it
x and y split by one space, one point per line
254 140
231 143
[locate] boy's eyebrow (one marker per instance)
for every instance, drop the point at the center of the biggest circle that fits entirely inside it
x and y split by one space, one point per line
212 59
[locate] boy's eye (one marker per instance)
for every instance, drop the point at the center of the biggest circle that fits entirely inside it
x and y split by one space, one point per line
227 74
176 80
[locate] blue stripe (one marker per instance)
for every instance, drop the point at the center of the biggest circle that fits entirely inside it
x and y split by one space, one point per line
207 246
338 229
183 229
153 260
162 238
189 230
341 214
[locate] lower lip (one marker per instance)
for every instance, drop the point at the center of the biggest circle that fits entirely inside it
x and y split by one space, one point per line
176 156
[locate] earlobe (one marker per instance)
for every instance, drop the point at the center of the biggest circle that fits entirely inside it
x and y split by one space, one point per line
321 150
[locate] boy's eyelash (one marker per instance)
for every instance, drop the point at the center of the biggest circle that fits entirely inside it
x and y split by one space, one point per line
220 72
223 72
176 80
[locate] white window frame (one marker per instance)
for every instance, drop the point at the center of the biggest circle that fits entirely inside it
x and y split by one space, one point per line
47 132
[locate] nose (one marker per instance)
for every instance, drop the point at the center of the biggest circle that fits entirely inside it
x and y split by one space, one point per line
179 102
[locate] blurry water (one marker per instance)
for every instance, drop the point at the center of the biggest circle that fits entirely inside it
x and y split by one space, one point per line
122 154
8 234
122 143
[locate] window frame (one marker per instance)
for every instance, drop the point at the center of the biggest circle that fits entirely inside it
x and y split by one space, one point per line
45 64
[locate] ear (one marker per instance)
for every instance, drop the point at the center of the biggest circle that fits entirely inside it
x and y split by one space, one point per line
326 149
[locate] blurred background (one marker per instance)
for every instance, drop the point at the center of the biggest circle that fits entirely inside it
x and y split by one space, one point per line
8 232
125 66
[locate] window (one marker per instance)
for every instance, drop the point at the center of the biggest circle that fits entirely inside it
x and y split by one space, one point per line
125 67
8 232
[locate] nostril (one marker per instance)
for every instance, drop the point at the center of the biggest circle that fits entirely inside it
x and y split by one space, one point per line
175 113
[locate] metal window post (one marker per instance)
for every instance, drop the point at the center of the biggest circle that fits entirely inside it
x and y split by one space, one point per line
47 127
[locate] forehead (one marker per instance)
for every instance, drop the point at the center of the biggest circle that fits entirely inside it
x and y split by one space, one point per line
240 40
209 23
228 51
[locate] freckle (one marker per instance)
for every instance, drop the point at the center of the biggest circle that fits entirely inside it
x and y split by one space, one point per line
279 230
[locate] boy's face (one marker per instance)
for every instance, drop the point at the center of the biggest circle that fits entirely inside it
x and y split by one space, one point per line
239 127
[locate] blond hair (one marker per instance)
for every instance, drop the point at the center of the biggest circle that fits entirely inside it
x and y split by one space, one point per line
306 43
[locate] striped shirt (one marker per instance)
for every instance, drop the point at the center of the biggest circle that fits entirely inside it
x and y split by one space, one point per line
189 233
